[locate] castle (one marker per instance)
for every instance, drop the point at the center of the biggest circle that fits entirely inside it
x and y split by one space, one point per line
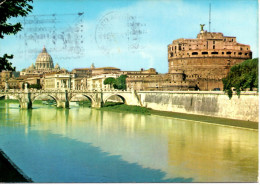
206 59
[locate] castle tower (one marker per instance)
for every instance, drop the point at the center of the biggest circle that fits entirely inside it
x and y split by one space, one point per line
206 59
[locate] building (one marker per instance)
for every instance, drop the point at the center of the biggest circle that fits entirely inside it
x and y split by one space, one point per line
105 70
43 64
96 83
82 72
59 81
6 76
206 59
158 82
92 71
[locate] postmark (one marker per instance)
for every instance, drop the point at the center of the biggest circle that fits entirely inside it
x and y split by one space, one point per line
117 31
53 31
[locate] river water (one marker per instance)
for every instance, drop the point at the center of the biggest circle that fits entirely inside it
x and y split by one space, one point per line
81 144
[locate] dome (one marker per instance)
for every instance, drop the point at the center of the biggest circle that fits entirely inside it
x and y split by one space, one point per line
44 60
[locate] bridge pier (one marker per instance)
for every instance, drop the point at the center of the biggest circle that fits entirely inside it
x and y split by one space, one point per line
26 105
98 103
62 104
62 101
25 102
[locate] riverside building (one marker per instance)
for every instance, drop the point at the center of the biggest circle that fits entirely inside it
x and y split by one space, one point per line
206 59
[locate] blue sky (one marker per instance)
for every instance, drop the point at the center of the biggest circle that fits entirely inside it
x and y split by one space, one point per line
127 34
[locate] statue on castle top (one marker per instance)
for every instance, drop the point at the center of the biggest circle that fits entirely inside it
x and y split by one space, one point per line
201 27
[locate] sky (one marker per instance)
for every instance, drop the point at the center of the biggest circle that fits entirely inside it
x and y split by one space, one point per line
127 34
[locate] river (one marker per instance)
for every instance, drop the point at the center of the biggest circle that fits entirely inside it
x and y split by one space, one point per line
81 144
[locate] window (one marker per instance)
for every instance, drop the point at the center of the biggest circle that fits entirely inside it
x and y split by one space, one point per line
214 53
228 62
246 53
213 42
222 53
204 53
228 53
232 40
194 53
213 46
240 53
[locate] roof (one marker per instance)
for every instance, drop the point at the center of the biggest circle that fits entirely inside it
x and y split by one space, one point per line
82 69
106 68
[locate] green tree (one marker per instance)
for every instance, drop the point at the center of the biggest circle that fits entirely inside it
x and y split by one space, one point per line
5 64
242 76
8 10
120 82
111 81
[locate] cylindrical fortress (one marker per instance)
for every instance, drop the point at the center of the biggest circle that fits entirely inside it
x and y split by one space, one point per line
209 56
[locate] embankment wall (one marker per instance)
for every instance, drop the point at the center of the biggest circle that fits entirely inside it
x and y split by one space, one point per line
208 103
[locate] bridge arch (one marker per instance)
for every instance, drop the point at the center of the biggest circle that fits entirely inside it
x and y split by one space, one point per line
36 97
115 95
89 97
13 97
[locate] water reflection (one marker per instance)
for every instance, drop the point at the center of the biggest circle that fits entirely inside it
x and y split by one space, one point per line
124 145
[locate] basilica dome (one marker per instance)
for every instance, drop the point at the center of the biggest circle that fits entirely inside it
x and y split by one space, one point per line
44 60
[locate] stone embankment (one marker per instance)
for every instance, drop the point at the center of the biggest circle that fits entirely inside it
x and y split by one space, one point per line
207 103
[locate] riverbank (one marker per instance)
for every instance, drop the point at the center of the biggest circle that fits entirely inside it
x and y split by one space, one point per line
9 172
117 107
120 107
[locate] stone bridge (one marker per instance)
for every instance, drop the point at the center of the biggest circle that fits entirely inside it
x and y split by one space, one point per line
208 103
62 98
